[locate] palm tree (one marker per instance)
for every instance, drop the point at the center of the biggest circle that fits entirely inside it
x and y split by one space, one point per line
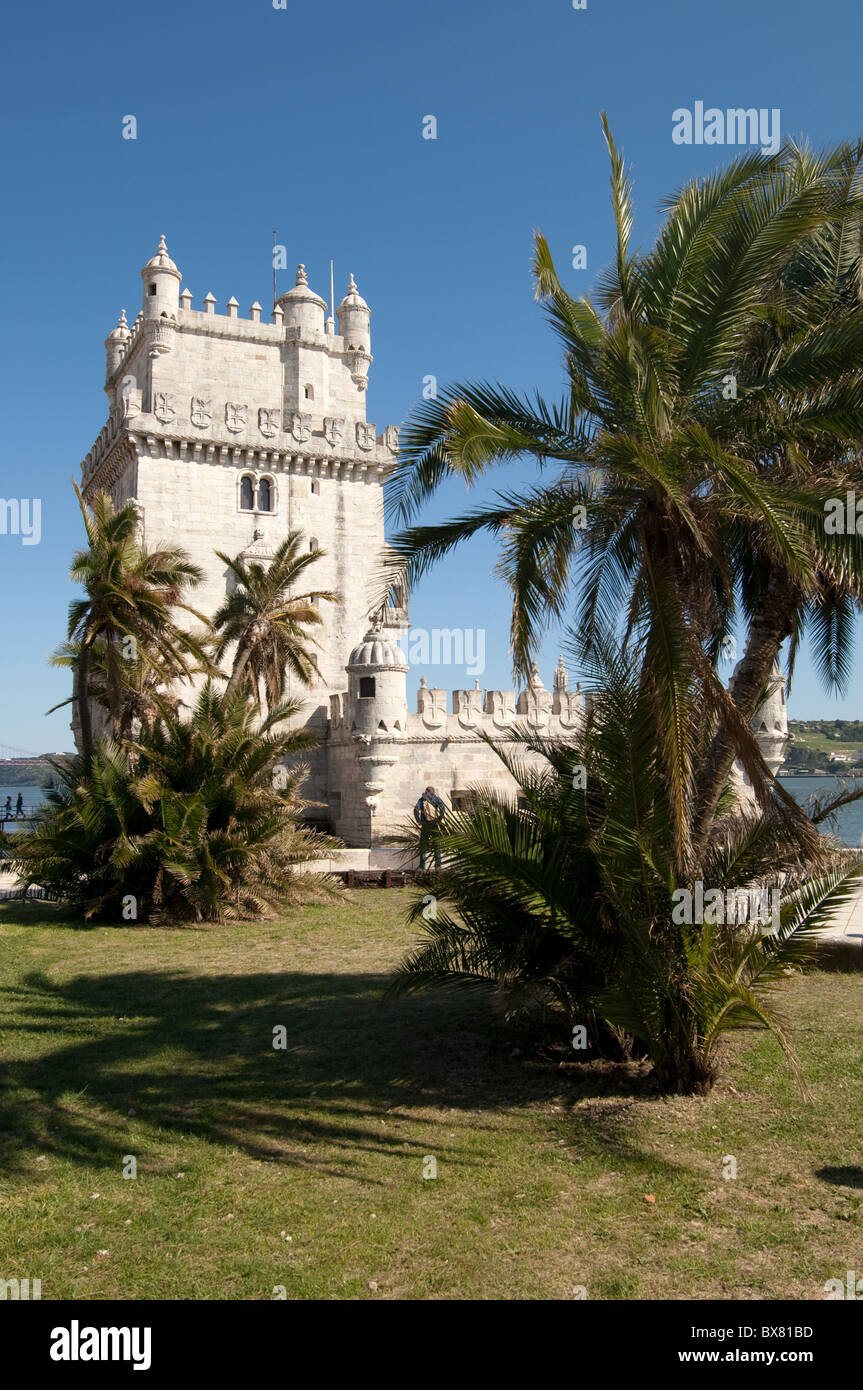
198 820
800 429
566 899
126 613
137 700
711 407
268 622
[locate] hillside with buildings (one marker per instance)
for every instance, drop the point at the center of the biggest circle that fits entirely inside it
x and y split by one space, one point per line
824 744
27 772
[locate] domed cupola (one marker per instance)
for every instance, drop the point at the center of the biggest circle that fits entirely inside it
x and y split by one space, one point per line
354 316
377 691
161 285
377 652
353 300
115 345
302 308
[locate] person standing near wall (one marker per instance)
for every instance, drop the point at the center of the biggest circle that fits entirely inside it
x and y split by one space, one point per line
428 814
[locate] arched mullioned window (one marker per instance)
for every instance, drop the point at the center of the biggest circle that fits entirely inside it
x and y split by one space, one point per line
247 494
265 495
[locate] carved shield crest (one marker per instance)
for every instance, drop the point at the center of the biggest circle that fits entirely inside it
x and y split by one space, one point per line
129 397
468 706
163 407
301 427
201 412
235 416
502 704
391 438
268 422
571 709
365 435
432 707
334 430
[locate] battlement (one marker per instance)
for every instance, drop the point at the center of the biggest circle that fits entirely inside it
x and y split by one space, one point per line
229 326
496 713
192 385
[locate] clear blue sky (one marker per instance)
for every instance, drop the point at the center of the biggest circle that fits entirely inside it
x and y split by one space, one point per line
309 119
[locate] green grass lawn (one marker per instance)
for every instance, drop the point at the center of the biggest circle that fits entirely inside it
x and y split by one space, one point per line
303 1167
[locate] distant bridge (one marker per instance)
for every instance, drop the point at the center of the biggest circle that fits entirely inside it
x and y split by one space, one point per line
7 751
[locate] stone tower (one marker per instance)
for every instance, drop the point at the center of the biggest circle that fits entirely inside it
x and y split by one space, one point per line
770 723
229 432
770 726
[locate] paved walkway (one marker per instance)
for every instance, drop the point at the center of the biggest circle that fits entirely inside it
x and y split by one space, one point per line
848 923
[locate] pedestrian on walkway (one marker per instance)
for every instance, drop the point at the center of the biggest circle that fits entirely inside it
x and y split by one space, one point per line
428 814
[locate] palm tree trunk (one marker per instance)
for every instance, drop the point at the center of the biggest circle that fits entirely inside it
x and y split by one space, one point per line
82 701
768 630
116 700
241 661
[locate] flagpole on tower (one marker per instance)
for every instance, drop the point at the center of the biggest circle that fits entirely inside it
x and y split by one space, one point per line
274 270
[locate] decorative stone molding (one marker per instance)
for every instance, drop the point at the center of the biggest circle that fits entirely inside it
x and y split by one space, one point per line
163 407
500 704
301 427
268 422
431 705
161 336
467 706
235 416
334 430
201 412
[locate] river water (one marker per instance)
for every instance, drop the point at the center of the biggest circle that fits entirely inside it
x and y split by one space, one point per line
33 796
850 817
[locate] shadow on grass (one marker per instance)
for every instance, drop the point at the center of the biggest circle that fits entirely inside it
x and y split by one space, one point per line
194 1054
36 912
841 1177
838 958
33 912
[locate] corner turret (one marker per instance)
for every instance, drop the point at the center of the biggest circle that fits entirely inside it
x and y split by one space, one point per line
770 726
161 285
354 317
115 346
770 723
303 309
377 690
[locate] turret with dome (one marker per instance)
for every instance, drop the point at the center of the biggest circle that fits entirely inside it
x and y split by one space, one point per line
161 285
303 309
377 688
